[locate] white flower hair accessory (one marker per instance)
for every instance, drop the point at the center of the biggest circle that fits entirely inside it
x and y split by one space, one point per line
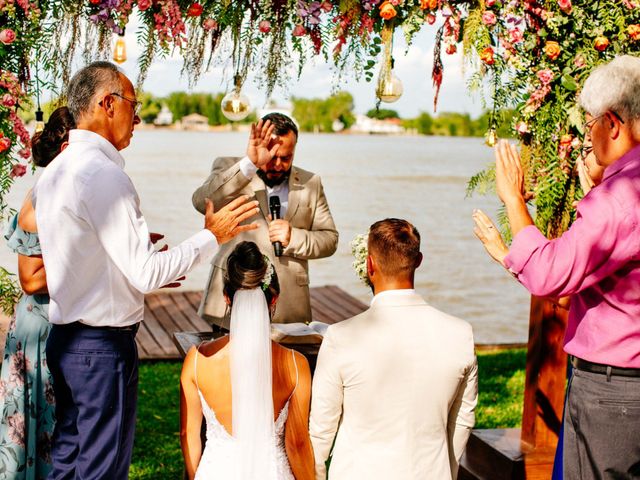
268 275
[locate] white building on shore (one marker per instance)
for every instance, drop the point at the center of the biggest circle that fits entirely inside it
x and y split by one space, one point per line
390 126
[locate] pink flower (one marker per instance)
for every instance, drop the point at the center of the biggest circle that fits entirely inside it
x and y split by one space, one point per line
15 430
431 19
7 36
264 26
5 143
490 3
209 24
565 6
489 18
522 128
395 3
18 170
326 6
515 36
299 31
545 76
25 153
7 100
579 61
143 5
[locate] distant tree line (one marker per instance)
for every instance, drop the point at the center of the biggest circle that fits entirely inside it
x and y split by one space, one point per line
317 114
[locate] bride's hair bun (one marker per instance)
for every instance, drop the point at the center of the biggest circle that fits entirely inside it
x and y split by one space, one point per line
46 145
246 269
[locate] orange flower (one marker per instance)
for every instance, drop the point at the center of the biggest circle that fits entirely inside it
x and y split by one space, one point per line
486 55
634 32
428 4
601 43
552 49
387 11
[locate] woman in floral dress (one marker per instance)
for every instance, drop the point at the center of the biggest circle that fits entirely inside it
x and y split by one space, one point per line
27 410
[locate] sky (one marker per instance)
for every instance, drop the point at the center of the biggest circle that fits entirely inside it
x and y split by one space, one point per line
319 80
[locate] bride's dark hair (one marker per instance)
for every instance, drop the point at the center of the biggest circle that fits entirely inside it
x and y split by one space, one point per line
246 269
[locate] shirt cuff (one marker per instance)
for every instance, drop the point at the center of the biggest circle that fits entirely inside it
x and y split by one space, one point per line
206 244
247 168
522 247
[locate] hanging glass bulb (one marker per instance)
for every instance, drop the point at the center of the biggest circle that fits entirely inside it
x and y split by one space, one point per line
389 87
39 121
235 105
491 137
120 50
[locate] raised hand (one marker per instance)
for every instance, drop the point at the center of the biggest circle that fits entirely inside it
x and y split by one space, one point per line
490 237
225 223
509 176
258 149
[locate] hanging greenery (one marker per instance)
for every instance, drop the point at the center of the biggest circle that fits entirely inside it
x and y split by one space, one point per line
527 55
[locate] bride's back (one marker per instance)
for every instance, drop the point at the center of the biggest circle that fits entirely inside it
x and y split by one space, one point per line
213 377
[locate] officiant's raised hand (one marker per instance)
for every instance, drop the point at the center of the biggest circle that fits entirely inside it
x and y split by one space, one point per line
226 222
262 147
509 175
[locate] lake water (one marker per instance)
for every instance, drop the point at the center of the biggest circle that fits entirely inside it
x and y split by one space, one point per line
366 178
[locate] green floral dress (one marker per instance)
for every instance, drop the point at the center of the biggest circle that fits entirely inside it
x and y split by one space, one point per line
27 410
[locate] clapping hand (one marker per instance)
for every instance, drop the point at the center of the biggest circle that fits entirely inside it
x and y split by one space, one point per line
509 176
226 223
258 149
490 237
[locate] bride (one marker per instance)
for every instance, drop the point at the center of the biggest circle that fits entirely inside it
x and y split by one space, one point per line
261 430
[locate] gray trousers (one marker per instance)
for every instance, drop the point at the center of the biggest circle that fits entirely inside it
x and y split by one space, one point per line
602 427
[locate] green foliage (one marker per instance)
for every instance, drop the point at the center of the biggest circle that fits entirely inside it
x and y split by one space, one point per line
318 115
382 113
151 107
10 292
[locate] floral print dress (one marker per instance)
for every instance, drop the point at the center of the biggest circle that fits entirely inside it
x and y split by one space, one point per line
27 411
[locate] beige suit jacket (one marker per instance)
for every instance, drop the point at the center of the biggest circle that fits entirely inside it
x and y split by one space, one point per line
398 383
313 235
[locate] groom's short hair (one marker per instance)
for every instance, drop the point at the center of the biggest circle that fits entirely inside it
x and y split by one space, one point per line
395 244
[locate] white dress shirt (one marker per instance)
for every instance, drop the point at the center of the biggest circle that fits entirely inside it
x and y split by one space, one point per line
248 169
95 242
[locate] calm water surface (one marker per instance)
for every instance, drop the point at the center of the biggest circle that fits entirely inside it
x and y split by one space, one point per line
366 178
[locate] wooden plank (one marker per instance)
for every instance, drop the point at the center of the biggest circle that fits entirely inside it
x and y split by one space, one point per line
318 312
180 321
187 309
164 345
357 305
330 307
194 299
167 327
142 339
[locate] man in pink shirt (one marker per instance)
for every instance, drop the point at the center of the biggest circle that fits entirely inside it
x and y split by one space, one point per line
597 263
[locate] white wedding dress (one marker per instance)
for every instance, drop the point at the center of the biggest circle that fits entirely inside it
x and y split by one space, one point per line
222 455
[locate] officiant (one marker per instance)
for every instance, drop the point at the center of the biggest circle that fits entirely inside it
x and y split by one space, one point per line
295 224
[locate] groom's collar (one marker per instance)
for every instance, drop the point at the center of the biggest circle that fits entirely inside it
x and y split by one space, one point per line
397 297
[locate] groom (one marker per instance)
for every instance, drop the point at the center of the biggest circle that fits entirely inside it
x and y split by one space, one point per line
396 386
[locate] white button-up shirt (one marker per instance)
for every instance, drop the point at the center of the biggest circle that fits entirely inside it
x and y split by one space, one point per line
248 169
95 242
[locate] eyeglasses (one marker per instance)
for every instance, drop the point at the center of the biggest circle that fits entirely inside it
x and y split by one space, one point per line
593 121
136 104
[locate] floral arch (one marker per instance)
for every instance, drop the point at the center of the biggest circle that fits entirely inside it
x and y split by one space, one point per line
527 55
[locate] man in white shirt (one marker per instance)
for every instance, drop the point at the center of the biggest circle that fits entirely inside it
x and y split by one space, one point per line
305 228
100 262
398 383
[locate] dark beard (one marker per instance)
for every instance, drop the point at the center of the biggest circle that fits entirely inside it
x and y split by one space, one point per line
274 182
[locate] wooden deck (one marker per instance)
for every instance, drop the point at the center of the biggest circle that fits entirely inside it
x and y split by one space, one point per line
171 312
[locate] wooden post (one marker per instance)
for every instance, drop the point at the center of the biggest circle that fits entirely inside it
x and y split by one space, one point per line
546 376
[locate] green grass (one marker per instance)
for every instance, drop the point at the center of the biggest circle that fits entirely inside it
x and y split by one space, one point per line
157 455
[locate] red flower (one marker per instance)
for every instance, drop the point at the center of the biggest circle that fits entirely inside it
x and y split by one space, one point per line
486 55
451 49
431 19
195 10
264 26
7 100
18 170
143 5
565 6
94 2
5 143
299 31
601 43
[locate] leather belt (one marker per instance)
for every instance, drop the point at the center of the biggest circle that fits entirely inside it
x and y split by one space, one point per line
128 329
600 368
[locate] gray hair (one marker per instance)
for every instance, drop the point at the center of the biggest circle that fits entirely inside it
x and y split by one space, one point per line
614 87
89 82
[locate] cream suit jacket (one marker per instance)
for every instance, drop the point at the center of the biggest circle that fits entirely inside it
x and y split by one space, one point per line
313 235
398 383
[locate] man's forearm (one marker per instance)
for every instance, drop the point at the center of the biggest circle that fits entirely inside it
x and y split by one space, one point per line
518 214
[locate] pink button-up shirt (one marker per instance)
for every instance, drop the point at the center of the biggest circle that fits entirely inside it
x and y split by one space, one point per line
597 262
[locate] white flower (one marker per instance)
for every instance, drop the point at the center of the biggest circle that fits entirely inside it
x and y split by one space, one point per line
268 275
360 253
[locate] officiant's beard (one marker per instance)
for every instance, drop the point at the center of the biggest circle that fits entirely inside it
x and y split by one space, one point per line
277 177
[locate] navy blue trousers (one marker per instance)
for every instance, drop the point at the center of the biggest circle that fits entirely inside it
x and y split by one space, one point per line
95 380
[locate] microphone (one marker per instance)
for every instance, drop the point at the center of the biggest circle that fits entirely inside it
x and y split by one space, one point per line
274 209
